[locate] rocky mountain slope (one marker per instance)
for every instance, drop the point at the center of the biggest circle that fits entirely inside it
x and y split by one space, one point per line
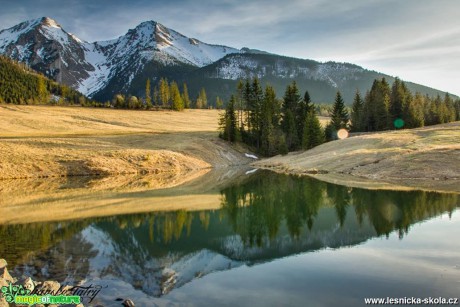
151 50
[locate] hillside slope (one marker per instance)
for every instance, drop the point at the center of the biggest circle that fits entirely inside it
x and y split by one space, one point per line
425 158
43 141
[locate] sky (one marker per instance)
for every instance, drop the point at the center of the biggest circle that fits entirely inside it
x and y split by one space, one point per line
416 40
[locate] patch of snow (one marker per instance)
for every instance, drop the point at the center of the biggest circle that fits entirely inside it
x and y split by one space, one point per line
99 77
191 51
251 171
76 38
250 156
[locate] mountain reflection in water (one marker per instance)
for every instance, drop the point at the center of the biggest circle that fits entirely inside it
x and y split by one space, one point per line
265 217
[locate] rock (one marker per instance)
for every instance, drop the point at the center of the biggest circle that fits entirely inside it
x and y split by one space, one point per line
48 286
27 283
5 275
128 303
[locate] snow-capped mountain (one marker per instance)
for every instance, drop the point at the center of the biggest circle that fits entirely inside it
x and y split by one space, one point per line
152 51
45 46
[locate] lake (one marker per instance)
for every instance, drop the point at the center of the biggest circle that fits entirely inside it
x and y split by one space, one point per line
262 239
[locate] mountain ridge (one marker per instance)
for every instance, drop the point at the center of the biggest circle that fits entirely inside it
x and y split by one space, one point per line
102 69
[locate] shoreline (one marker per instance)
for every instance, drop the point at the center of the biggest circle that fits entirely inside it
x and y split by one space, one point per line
417 159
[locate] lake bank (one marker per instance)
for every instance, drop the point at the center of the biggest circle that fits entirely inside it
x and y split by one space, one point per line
46 141
426 158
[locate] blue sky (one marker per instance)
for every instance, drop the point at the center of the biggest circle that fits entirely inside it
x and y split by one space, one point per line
417 40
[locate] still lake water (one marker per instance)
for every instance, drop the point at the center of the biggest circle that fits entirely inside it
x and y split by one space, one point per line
273 240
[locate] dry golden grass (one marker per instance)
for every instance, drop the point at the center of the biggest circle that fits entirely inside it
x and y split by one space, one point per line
44 141
426 158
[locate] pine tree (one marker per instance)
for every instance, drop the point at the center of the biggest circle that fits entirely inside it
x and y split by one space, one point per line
228 122
303 108
397 100
339 116
156 96
176 99
204 99
290 130
164 92
185 96
268 122
376 105
414 113
148 97
255 104
457 109
246 99
449 103
289 108
313 134
219 103
240 104
356 117
43 94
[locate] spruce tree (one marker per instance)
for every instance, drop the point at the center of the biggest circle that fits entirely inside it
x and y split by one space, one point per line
43 94
457 109
156 96
176 99
313 134
204 99
289 109
356 117
240 103
449 103
339 116
303 108
414 113
267 127
228 122
255 103
185 96
148 97
164 92
290 130
376 105
219 103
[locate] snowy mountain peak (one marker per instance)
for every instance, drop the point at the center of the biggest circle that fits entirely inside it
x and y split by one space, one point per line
49 22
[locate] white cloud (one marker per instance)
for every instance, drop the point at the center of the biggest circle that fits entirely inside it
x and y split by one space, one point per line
393 36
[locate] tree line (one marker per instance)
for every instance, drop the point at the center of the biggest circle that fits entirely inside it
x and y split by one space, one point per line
384 108
256 117
272 126
19 84
165 95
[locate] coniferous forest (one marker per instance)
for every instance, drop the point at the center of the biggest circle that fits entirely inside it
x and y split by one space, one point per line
21 85
272 126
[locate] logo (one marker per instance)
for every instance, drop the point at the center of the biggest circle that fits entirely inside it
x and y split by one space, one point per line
19 295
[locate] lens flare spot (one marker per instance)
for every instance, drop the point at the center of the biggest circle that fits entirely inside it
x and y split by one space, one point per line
342 134
398 123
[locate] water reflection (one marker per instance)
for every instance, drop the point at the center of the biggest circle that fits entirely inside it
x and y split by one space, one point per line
258 207
264 217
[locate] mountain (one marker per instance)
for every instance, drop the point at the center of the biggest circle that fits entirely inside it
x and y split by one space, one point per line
151 50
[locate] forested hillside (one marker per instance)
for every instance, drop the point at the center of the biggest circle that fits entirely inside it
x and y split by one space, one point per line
19 84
